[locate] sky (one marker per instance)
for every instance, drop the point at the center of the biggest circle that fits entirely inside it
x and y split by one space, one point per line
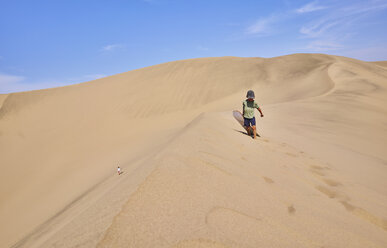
47 43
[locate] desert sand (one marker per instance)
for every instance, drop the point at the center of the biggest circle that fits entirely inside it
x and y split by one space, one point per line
317 176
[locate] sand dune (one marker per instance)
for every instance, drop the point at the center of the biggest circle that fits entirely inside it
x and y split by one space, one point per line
316 178
380 63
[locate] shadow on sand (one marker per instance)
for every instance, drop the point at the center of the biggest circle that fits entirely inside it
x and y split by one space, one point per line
245 133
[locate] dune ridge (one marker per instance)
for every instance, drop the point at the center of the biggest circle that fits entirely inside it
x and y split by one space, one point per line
317 177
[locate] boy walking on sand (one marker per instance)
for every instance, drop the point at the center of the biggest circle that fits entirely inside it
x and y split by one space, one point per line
119 170
249 105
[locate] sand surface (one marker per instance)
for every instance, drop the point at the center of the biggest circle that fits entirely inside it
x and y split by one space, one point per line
317 176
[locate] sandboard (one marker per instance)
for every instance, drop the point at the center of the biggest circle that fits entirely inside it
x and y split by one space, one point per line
239 118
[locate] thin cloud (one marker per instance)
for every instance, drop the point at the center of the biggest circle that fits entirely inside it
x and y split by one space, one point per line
10 79
13 83
94 76
85 78
375 5
112 47
322 45
372 53
319 28
333 28
261 26
202 48
339 19
10 83
310 7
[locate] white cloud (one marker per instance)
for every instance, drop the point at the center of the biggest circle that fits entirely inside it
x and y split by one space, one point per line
310 7
323 45
375 5
85 78
261 26
202 48
319 28
112 47
340 19
332 29
325 35
12 83
10 79
258 27
94 76
373 53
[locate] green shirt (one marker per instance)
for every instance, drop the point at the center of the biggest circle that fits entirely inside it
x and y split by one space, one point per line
248 108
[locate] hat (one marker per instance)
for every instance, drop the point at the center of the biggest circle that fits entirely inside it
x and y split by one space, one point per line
250 94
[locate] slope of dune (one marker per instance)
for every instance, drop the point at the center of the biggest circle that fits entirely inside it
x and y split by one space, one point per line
192 178
380 63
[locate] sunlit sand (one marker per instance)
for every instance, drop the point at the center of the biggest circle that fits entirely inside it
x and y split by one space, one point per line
191 177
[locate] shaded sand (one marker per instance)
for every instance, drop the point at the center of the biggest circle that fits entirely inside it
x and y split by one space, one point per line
192 178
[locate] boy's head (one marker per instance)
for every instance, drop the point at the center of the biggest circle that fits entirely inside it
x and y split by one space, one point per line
250 95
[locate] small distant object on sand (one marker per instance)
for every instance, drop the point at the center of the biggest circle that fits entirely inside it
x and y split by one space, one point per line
119 170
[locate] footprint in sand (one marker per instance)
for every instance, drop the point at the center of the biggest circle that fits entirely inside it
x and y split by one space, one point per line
268 180
291 210
202 243
331 182
333 194
357 211
317 170
365 215
326 191
291 154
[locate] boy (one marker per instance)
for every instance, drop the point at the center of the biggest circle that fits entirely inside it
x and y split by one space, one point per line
248 113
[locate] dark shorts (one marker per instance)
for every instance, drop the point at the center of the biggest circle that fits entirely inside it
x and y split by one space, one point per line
247 122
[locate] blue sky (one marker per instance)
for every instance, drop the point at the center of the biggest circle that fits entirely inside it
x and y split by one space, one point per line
53 43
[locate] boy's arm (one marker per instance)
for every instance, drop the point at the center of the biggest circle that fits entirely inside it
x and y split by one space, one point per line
243 109
260 111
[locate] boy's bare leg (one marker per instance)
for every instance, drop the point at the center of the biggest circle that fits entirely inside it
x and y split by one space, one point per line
254 132
248 130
